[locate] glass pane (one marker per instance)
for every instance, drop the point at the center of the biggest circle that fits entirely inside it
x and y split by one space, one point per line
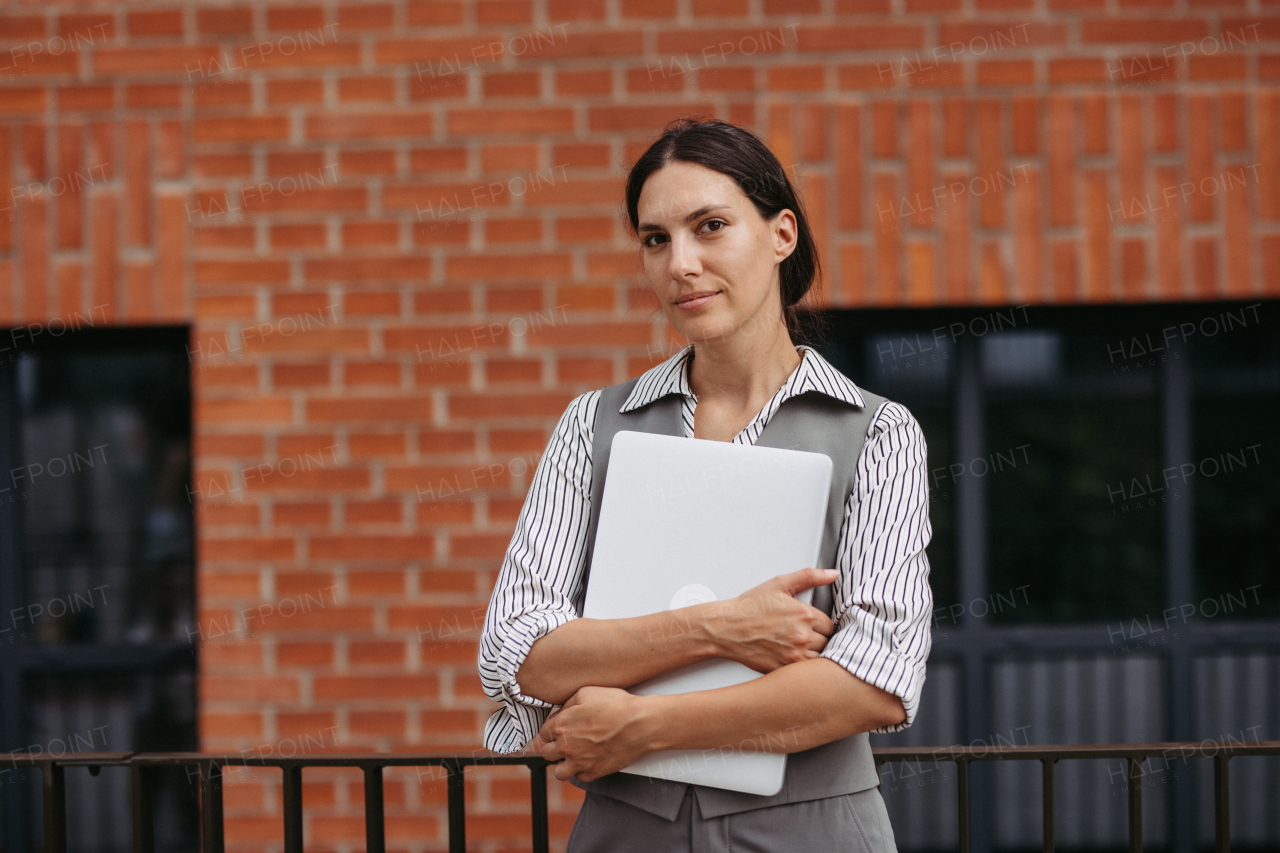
108 544
117 713
917 370
1233 471
1069 535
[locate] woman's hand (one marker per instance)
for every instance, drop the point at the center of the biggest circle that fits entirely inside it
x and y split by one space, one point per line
766 627
600 730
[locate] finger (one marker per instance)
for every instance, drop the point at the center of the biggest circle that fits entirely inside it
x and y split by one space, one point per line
794 582
563 771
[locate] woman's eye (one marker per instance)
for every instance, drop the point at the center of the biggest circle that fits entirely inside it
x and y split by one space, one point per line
718 223
653 239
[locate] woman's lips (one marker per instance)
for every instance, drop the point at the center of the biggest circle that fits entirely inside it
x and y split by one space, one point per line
693 301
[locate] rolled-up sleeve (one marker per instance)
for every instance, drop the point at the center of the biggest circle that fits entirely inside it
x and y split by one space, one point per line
882 598
541 575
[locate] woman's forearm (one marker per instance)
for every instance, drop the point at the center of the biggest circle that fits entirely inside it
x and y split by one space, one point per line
796 707
614 652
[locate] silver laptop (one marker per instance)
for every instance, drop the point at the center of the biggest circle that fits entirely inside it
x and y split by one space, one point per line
684 521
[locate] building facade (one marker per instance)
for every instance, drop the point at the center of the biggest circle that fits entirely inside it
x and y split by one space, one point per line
389 239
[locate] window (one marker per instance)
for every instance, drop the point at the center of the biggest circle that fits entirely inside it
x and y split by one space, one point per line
1105 560
97 581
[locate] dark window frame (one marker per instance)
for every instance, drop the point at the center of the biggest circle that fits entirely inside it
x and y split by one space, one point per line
26 659
975 643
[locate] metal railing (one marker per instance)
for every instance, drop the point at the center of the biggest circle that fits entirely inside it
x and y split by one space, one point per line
142 767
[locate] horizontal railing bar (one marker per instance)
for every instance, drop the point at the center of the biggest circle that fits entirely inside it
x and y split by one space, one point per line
882 754
1081 751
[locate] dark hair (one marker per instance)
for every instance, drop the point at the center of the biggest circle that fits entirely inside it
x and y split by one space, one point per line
740 154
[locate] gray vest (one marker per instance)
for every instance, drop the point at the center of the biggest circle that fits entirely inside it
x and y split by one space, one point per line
813 422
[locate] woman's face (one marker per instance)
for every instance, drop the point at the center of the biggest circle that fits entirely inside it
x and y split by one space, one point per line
710 257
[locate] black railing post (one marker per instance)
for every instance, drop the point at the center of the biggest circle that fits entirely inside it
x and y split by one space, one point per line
292 808
375 840
144 824
1222 803
538 792
1046 775
457 807
962 788
1135 804
211 807
53 777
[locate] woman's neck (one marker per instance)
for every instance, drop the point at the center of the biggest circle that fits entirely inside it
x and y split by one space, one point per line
742 371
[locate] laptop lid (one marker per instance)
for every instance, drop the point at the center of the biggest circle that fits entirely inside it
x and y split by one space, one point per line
684 521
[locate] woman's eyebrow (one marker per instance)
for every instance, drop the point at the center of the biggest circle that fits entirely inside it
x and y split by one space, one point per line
702 211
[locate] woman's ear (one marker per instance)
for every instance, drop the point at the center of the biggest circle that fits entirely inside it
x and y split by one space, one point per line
785 233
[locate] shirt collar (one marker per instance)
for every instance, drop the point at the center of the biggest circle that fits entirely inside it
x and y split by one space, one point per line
814 373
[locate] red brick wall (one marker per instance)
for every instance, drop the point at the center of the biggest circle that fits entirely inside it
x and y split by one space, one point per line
395 228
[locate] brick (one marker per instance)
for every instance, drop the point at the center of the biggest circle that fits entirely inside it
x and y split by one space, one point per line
1200 159
1234 109
533 120
1098 249
407 268
299 375
1078 70
1204 267
506 267
223 94
377 162
155 58
86 97
214 689
583 83
137 170
291 17
1026 126
367 88
288 514
241 129
884 123
507 405
298 236
957 278
445 159
359 410
864 37
225 21
985 39
365 16
157 22
23 27
70 203
1015 72
370 233
1217 67
1267 105
955 127
267 410
575 10
1059 134
26 99
920 162
1148 30
295 91
641 117
241 271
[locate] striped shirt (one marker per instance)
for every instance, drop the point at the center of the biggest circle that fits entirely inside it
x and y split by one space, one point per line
882 599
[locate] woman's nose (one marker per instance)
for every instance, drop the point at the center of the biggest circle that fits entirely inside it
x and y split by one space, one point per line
683 260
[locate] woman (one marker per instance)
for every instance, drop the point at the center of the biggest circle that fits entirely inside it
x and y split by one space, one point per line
726 248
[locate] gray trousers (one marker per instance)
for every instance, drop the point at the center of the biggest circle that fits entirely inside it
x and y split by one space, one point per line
857 823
